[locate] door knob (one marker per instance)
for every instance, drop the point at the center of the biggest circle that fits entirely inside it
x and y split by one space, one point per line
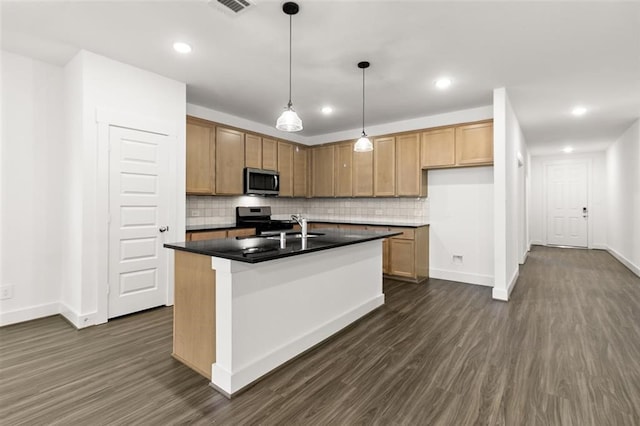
163 229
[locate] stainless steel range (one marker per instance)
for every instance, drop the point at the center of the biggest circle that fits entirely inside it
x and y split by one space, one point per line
260 218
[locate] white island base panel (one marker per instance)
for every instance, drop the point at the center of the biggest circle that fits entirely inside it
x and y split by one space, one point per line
268 313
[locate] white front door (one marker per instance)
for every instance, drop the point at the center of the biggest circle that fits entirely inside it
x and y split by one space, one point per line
567 214
138 174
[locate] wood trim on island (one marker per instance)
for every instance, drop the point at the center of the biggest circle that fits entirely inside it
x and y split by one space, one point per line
194 321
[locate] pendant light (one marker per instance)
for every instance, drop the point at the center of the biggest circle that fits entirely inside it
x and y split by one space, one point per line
289 120
363 144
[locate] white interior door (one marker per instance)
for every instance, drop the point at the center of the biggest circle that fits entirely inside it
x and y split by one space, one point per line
567 214
138 174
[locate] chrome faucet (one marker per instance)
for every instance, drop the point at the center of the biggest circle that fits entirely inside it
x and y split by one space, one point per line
302 222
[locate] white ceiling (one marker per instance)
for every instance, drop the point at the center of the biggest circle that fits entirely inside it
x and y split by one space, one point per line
549 55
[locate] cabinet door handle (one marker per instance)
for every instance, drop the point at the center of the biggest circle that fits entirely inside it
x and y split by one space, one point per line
163 228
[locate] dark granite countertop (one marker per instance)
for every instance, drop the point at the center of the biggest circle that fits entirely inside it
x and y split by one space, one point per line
371 222
227 226
263 248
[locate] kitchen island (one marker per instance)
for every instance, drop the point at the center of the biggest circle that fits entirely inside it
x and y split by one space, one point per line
246 305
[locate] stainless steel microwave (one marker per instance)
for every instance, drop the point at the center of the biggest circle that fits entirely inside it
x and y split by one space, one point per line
261 182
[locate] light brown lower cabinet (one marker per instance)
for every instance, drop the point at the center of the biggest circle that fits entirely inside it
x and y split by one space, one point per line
241 232
205 235
212 235
402 262
320 225
409 254
405 256
385 256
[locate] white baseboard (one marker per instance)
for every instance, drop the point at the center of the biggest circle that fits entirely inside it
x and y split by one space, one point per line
626 262
536 243
463 277
76 319
524 256
502 293
28 314
599 246
247 374
70 315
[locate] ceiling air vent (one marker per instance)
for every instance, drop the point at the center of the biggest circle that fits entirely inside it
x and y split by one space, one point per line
234 7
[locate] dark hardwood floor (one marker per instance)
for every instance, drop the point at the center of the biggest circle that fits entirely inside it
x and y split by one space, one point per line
564 351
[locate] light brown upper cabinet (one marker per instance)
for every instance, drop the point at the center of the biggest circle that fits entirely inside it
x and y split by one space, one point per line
343 168
384 166
410 179
285 168
252 151
229 161
363 174
269 154
322 171
474 144
200 157
439 148
216 155
300 171
458 146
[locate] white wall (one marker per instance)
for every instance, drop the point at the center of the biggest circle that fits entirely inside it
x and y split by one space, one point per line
623 198
112 88
70 297
508 141
597 194
524 200
53 172
461 218
33 181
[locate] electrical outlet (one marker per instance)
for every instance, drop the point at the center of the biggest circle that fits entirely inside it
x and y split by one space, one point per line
6 292
457 259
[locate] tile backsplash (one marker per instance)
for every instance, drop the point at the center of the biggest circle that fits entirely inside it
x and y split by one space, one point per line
209 210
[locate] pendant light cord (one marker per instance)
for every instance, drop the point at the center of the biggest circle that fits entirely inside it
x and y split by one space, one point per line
290 56
363 133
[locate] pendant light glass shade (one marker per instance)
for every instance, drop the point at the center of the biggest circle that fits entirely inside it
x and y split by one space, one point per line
289 120
363 144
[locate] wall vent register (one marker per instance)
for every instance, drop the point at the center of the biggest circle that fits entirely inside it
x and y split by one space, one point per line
234 7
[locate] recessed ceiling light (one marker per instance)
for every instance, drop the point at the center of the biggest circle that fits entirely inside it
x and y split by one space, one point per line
327 110
443 83
578 111
181 47
567 149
